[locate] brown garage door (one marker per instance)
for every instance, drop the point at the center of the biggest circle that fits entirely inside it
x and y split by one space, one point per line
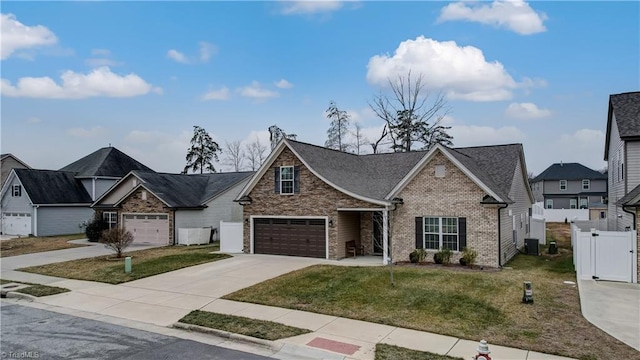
295 237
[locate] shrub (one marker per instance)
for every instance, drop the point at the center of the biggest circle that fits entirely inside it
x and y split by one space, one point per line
117 239
468 256
413 256
418 255
443 256
95 228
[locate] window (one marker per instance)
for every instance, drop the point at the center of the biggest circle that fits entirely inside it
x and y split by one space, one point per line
584 203
603 214
586 184
441 233
521 220
440 171
563 184
16 190
549 203
111 218
573 203
286 180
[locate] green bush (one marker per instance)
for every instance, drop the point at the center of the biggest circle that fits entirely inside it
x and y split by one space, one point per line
418 255
95 228
468 256
443 256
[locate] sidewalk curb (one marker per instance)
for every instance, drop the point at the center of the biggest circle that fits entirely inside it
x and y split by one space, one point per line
228 335
18 295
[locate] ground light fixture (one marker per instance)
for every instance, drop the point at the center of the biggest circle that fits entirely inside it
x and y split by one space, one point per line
527 293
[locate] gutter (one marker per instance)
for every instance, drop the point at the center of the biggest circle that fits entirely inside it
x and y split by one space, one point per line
624 208
501 205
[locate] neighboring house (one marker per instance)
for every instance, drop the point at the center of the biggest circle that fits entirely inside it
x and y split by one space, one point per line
622 153
8 162
154 206
571 186
50 202
310 201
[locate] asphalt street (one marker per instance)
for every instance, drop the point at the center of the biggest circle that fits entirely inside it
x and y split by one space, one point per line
29 333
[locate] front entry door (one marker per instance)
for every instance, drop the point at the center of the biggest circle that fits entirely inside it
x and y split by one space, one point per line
377 233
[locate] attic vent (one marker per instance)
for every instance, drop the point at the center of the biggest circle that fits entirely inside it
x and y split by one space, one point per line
144 195
134 182
440 170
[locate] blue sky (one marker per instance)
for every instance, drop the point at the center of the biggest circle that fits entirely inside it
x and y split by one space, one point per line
77 76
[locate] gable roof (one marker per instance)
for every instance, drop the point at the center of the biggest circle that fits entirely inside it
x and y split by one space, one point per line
631 199
376 177
7 155
187 191
626 107
108 161
569 171
50 187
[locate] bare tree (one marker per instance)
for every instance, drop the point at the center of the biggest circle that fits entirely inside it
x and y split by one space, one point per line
375 144
235 155
117 239
256 154
358 138
276 134
338 128
202 152
408 115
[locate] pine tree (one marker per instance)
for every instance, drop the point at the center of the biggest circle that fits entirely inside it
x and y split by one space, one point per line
336 135
202 152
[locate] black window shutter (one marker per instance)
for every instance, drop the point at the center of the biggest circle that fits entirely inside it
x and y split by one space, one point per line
277 180
419 233
462 233
296 179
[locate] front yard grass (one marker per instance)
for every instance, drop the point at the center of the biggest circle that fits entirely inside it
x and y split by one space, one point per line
260 329
391 352
146 263
466 304
29 245
42 290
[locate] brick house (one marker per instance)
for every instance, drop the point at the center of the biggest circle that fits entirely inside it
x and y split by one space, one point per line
154 206
310 201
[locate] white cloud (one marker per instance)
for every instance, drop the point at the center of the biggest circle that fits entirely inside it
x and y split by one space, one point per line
462 72
17 36
160 151
472 135
207 50
309 6
220 94
100 52
256 91
93 132
283 84
99 62
515 15
177 56
98 82
526 111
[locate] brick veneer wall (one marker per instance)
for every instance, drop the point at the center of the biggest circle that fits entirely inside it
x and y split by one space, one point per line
316 198
454 195
135 204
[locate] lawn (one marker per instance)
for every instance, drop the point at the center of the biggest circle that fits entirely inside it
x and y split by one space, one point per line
468 304
146 263
390 352
42 290
29 245
260 329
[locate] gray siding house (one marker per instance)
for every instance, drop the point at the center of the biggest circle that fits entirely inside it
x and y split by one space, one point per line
155 206
57 202
7 163
570 186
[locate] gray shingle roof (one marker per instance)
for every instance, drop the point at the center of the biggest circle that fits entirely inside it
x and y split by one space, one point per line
569 171
375 175
189 191
107 161
53 187
626 107
626 200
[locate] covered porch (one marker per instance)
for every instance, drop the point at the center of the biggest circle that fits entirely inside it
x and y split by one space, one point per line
367 229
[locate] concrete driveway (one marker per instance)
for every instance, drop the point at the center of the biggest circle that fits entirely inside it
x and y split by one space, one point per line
164 299
613 307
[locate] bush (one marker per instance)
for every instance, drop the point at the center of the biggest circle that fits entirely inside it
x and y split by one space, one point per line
413 256
418 255
117 239
468 256
95 228
443 256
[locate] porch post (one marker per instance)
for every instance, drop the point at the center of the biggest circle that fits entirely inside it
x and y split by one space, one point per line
385 237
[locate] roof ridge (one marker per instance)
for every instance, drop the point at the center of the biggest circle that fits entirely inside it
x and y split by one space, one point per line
320 147
485 146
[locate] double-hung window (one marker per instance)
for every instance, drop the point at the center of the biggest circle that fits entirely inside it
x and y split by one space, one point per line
286 180
16 190
441 232
573 203
586 184
584 203
111 218
563 184
549 203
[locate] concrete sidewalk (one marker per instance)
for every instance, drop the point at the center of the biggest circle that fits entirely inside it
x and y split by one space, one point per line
162 300
614 307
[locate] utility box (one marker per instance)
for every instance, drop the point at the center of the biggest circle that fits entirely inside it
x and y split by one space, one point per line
531 246
553 247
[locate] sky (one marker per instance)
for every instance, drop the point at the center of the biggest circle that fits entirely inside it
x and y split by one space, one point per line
78 76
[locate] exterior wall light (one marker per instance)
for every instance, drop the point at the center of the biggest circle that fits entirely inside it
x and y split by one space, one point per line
245 200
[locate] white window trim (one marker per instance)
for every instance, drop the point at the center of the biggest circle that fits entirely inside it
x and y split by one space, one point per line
585 201
586 182
573 204
111 217
440 232
548 204
292 180
566 185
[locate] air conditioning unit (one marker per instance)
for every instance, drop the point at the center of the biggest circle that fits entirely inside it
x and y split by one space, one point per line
531 246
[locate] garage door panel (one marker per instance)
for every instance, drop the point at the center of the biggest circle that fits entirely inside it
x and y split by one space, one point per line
295 237
16 224
152 229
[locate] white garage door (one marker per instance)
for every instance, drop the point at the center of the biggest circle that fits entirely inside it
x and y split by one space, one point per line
16 224
148 228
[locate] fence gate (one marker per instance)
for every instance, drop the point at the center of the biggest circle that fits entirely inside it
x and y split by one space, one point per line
604 255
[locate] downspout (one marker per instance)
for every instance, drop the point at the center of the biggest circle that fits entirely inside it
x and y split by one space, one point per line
35 220
624 208
500 233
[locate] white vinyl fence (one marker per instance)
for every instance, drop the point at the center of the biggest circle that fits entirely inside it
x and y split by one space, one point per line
231 237
604 255
559 215
538 224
